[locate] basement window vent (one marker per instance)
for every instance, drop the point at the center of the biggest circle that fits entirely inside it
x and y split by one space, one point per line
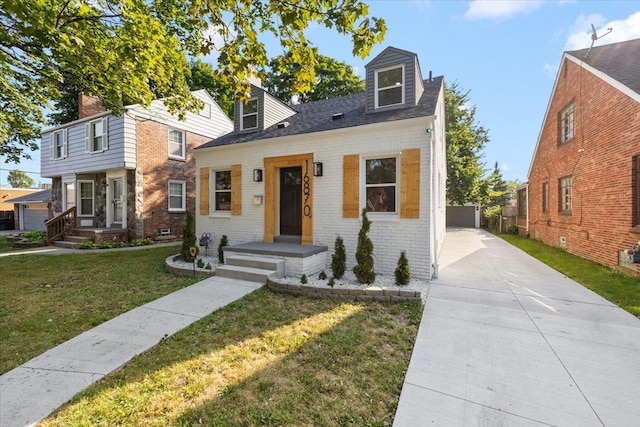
164 232
337 116
282 125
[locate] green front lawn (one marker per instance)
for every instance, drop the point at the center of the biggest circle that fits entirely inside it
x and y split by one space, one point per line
615 286
48 299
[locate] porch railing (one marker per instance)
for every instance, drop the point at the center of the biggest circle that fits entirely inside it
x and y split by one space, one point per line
61 224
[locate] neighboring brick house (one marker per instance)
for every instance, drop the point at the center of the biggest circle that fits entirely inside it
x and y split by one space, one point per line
303 173
133 172
584 180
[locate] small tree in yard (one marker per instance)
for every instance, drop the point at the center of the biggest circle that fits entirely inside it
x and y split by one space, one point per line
224 241
364 253
188 237
403 272
339 258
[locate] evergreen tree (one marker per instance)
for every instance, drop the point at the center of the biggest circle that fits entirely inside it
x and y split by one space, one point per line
497 188
188 237
224 241
402 272
339 258
364 253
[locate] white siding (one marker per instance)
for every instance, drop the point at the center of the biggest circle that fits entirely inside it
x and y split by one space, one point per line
389 236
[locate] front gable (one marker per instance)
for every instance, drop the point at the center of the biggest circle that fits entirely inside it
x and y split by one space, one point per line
393 80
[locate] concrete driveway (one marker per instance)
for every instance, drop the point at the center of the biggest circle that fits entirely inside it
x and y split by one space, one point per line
507 341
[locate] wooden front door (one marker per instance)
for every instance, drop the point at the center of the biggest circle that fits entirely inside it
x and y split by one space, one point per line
291 201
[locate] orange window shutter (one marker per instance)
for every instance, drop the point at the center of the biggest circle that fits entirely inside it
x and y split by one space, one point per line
351 186
236 190
410 184
204 191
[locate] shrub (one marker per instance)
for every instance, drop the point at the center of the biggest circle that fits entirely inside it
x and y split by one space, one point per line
512 229
332 282
322 275
208 267
303 279
105 245
149 241
364 253
339 258
224 241
87 245
33 236
402 272
200 263
188 237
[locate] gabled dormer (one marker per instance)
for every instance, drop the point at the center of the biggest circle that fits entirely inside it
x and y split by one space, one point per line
259 112
393 80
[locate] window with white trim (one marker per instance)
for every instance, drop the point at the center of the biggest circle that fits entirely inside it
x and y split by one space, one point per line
177 196
58 144
249 114
389 83
381 184
86 196
222 190
567 123
176 144
565 195
96 135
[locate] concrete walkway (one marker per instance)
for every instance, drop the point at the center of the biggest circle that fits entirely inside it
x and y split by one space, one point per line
505 340
33 390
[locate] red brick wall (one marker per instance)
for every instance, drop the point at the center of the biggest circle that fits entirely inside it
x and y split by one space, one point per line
158 169
88 106
599 159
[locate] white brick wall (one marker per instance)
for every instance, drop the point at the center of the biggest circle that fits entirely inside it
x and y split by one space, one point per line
389 235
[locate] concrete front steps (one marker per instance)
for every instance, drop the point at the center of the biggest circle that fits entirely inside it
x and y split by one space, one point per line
251 268
72 242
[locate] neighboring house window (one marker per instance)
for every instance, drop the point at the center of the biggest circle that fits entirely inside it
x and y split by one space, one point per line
381 184
96 135
389 86
177 196
86 198
222 189
58 144
545 197
522 202
69 195
249 114
565 194
176 144
567 123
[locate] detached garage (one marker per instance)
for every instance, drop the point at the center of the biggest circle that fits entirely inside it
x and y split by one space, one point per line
463 216
32 210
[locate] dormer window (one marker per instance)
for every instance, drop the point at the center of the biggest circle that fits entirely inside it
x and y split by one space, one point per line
389 86
249 114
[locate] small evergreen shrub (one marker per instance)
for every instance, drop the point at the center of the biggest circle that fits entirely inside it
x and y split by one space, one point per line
303 279
332 282
403 272
188 237
364 253
200 263
322 275
224 241
208 267
339 258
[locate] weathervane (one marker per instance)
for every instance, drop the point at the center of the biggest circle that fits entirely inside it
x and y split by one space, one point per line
595 36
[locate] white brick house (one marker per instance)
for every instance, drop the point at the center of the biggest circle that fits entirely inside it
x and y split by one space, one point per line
383 149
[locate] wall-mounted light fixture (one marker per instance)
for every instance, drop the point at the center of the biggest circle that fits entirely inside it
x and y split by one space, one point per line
257 175
317 168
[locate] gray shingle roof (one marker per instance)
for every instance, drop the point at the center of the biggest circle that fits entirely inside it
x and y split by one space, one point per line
621 61
317 116
43 196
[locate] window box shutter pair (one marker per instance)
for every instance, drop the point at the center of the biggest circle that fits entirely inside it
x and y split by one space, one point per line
65 144
236 190
105 135
409 185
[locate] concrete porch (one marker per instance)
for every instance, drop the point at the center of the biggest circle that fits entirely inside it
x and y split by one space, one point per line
95 235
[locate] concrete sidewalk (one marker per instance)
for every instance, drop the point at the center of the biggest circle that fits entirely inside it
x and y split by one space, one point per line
506 340
33 390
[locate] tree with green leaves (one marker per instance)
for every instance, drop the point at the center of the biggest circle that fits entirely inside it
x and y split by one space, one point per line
19 179
465 140
496 188
203 76
119 50
333 79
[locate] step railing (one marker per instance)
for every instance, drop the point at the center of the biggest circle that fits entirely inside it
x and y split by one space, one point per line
61 224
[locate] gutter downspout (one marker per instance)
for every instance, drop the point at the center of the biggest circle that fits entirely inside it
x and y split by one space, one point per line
434 203
527 217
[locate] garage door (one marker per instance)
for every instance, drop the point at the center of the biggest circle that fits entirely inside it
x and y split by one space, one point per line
33 217
461 216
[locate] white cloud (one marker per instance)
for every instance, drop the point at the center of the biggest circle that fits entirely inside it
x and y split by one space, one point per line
550 70
499 10
623 29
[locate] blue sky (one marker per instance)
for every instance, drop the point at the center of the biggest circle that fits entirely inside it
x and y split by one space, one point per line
506 53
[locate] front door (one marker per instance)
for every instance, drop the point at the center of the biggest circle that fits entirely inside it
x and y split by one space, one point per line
291 201
116 201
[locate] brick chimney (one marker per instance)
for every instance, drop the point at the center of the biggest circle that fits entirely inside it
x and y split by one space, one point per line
88 106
